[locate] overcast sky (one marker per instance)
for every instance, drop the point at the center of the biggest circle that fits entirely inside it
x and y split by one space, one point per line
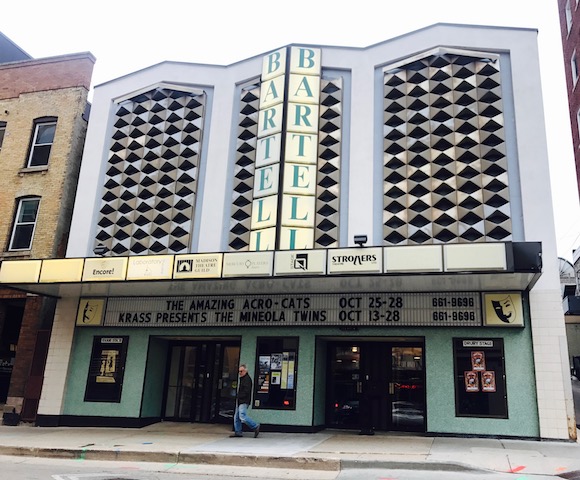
127 35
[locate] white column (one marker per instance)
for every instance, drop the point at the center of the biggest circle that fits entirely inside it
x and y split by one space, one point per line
58 360
555 401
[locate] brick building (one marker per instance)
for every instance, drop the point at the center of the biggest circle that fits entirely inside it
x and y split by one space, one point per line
43 119
570 29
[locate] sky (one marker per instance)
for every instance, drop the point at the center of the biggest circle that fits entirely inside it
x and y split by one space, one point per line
128 35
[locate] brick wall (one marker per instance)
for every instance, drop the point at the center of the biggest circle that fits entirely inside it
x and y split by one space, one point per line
56 185
52 73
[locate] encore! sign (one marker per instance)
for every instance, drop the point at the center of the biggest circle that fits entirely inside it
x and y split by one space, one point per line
286 159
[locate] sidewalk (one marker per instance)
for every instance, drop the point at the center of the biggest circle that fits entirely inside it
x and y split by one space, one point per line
328 450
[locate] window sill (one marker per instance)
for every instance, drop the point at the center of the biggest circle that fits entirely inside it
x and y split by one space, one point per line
15 255
43 169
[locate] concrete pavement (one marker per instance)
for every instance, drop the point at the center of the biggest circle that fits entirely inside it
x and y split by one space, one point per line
329 450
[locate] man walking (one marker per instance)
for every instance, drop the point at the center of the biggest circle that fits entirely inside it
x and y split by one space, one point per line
243 399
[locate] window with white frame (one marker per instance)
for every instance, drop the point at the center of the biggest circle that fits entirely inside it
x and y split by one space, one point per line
2 132
41 143
24 223
568 11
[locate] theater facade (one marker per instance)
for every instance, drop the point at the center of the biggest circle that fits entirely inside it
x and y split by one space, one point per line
370 230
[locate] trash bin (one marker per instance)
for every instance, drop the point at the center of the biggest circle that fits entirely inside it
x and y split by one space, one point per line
11 418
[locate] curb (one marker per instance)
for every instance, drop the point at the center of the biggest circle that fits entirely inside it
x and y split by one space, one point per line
424 466
256 461
309 463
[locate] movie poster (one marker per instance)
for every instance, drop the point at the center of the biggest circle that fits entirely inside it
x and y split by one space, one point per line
488 382
478 361
471 381
264 374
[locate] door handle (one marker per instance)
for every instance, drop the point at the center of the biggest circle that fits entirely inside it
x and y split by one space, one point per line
391 388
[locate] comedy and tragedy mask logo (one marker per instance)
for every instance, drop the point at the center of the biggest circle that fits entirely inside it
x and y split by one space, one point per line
504 309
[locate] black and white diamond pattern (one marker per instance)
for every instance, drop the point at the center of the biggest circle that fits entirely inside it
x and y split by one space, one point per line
326 233
244 169
148 199
445 166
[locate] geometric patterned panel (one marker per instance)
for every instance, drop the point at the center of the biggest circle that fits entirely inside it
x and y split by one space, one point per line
445 164
148 200
328 176
244 169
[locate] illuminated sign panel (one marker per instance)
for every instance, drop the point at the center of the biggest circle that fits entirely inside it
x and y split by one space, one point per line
150 267
265 212
274 64
90 312
272 92
263 239
270 120
21 271
503 309
266 180
247 264
286 155
292 238
199 265
300 262
105 269
62 270
301 148
268 150
355 260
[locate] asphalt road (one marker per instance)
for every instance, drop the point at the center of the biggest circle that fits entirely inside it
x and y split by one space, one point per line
33 468
379 474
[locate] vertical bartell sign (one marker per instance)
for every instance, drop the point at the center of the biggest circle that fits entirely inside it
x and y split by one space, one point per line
283 210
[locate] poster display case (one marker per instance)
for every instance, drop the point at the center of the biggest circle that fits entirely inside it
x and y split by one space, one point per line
275 382
480 383
106 369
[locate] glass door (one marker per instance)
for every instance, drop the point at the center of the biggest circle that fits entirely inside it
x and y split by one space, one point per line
202 381
406 389
376 386
182 382
344 386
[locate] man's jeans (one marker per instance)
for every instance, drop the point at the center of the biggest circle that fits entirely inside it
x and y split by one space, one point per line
241 416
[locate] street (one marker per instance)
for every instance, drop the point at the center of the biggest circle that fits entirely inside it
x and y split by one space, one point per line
32 468
379 474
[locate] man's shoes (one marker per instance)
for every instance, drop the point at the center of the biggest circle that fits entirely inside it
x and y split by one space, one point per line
236 435
257 431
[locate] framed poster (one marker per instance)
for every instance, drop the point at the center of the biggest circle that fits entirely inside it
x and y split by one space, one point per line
275 384
480 383
478 361
106 369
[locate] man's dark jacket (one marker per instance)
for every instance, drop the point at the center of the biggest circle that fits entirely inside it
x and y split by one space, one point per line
245 390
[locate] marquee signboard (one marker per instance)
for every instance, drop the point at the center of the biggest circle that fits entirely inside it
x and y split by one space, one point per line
459 309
